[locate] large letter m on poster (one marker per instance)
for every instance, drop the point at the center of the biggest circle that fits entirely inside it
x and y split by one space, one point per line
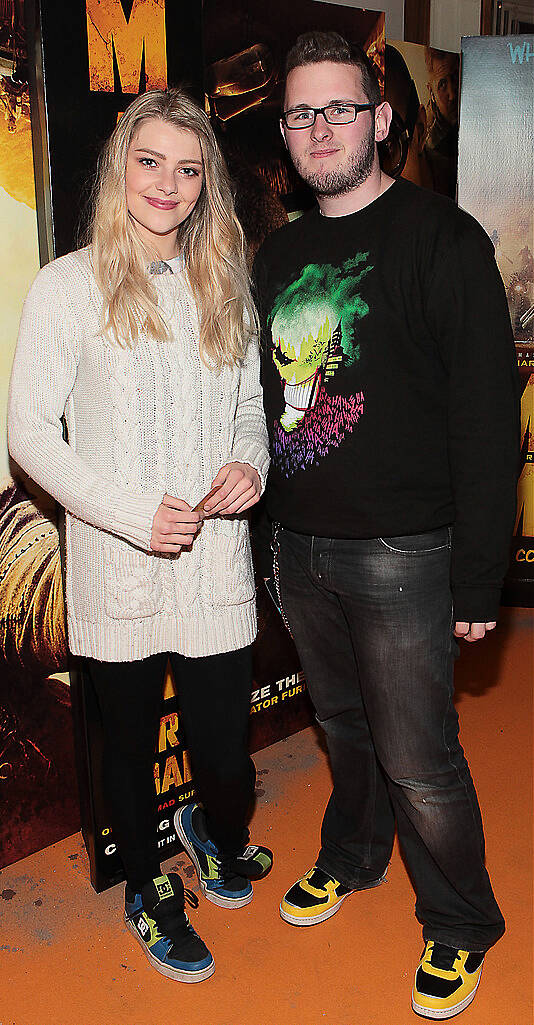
110 32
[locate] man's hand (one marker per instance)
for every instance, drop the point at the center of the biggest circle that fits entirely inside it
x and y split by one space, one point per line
240 488
472 631
174 526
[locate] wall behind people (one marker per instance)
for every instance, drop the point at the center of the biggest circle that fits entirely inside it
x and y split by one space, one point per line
452 19
393 11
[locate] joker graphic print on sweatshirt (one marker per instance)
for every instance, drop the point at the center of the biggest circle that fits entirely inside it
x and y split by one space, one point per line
314 328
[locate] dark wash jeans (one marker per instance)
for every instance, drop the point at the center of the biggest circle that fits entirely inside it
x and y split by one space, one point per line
372 621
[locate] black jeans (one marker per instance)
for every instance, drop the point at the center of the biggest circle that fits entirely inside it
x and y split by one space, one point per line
372 621
214 702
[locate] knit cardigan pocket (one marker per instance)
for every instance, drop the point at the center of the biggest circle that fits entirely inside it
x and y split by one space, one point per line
233 583
132 584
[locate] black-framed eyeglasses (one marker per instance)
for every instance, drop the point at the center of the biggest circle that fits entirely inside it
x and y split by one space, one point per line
333 113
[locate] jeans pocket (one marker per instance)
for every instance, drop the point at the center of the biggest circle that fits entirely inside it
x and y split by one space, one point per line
419 544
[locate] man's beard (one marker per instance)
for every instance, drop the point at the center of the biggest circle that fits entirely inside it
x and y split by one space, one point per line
343 179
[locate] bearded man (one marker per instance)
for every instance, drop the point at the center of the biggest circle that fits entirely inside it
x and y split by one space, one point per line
392 405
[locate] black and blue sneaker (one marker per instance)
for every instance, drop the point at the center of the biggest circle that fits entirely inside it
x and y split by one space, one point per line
223 881
157 919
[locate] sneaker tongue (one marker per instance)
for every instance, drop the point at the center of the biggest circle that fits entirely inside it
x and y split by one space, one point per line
253 863
164 891
318 878
198 822
163 899
443 957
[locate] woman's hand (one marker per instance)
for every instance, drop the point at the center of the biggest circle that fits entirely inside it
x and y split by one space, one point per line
240 487
174 526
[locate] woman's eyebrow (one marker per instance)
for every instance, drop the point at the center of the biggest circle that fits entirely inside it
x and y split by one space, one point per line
145 149
154 153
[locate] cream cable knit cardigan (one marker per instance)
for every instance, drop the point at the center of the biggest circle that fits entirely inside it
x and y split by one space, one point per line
141 422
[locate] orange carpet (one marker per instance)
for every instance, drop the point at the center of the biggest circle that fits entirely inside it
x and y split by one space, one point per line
66 959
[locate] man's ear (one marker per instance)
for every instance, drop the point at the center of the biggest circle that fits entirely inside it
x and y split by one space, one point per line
383 115
283 132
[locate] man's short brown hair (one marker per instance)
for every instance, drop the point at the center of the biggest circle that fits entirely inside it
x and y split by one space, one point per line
316 47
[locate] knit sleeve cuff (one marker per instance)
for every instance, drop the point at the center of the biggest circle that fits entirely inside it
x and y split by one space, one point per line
476 604
134 517
247 450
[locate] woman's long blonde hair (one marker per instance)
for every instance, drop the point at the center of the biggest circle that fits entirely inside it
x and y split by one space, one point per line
210 239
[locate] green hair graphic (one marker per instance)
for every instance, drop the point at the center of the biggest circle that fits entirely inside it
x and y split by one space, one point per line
338 287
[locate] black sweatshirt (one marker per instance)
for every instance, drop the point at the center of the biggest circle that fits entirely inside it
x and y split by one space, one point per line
390 383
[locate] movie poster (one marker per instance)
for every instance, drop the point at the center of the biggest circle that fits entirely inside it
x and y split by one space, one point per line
496 185
38 791
422 87
97 56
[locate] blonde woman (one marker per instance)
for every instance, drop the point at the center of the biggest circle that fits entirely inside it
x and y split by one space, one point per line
145 342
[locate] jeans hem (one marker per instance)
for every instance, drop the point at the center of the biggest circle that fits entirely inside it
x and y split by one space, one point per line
349 881
461 942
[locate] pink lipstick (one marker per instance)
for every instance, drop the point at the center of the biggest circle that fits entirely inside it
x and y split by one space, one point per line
162 204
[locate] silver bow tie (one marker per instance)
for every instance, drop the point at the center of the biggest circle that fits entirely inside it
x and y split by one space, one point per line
159 267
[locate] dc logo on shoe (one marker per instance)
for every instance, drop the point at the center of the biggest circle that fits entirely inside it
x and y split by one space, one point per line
164 889
143 926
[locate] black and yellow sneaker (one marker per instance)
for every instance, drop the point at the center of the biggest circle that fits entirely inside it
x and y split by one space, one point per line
446 980
157 919
313 899
316 897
